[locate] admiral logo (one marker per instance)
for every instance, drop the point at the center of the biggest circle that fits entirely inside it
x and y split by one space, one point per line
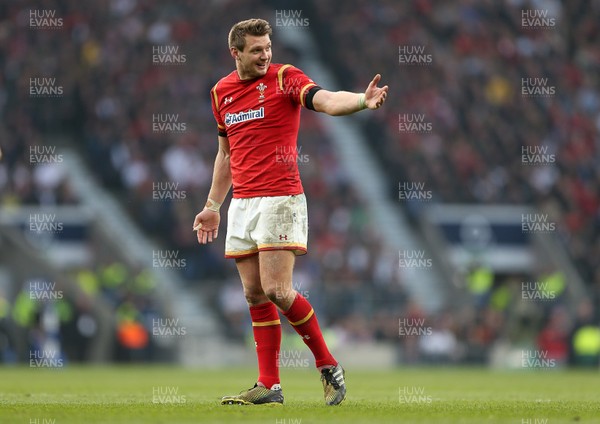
236 118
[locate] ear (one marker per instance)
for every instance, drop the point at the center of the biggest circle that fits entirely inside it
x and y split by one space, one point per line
234 53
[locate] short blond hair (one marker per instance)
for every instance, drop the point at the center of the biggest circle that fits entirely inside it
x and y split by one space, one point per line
254 26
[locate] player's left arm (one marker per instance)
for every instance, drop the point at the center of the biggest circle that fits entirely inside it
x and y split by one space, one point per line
338 103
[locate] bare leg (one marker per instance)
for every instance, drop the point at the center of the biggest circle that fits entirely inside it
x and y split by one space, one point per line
276 267
266 325
249 273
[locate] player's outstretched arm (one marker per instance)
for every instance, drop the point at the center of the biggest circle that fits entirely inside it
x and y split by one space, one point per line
338 103
207 221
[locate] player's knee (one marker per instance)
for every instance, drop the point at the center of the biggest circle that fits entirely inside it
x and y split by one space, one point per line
278 294
273 294
255 297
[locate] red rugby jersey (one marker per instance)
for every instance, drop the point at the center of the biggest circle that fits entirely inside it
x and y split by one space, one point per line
261 117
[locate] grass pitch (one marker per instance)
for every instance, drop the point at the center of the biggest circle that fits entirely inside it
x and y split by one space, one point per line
174 395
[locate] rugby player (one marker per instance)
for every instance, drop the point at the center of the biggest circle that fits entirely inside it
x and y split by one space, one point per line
257 109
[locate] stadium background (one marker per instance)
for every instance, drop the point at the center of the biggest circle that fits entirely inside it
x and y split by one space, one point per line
471 239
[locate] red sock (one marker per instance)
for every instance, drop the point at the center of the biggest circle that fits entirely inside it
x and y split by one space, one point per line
302 317
266 327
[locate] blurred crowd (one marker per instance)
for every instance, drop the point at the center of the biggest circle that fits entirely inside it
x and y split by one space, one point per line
107 312
467 83
116 98
465 70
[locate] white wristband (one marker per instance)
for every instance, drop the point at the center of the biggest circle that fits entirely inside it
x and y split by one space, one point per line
362 104
212 205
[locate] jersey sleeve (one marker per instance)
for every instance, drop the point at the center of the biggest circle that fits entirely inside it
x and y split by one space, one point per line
214 99
294 83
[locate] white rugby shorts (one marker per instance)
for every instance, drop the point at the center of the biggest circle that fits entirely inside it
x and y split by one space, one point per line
266 223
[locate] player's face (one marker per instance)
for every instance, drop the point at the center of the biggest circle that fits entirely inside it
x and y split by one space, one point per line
254 61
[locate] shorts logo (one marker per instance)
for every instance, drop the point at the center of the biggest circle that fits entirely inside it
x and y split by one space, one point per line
282 236
236 118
